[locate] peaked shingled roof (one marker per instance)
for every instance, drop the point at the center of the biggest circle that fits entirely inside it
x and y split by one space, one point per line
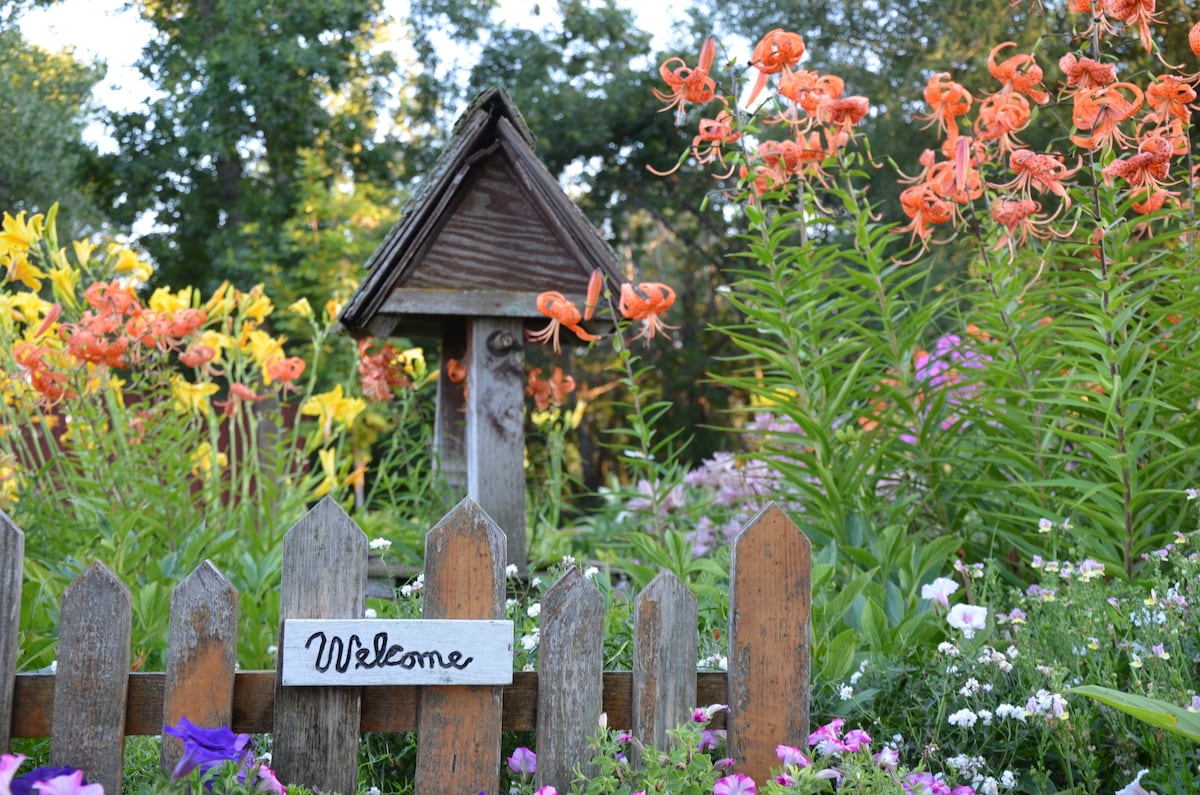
487 231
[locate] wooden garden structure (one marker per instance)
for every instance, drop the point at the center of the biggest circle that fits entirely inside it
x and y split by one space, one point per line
486 233
93 701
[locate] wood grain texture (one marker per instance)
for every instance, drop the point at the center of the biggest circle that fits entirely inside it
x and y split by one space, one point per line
496 427
201 656
12 563
664 643
90 681
324 576
458 728
570 678
384 709
450 421
770 598
499 237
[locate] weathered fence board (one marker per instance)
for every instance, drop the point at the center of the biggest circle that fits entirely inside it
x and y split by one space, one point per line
458 728
324 576
12 564
496 426
89 685
770 598
201 655
571 678
664 643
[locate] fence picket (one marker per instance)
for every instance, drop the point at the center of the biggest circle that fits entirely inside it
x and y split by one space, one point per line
770 598
570 678
324 576
90 683
664 647
458 728
12 557
201 655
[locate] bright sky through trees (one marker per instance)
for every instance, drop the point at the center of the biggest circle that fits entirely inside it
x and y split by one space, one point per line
111 31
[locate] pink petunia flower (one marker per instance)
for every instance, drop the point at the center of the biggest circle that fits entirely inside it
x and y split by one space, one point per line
737 784
939 591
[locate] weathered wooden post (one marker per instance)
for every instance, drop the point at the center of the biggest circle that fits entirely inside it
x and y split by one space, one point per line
489 230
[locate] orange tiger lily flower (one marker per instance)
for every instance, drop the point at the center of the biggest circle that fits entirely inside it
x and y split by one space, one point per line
1135 13
1020 73
1148 170
688 84
1100 110
947 101
1000 118
645 304
562 313
926 207
1036 170
843 113
285 370
1194 39
776 52
547 392
1169 96
1085 73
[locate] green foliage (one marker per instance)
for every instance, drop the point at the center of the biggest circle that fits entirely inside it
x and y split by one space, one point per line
45 100
249 91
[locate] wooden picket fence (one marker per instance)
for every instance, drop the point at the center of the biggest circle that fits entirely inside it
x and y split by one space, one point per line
93 701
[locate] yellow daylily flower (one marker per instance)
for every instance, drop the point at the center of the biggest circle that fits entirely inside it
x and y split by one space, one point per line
221 303
64 282
83 251
328 459
333 406
20 269
10 481
126 261
16 236
191 397
302 308
164 300
332 309
261 346
255 304
206 462
414 363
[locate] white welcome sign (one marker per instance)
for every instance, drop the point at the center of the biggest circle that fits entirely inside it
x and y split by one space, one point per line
355 652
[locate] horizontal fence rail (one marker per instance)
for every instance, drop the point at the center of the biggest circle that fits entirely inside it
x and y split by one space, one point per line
316 729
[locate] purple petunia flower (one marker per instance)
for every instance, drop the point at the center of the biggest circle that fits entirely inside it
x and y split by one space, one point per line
207 748
523 762
23 784
70 784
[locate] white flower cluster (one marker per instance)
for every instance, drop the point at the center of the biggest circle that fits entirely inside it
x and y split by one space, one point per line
1002 660
379 543
1050 706
718 661
414 587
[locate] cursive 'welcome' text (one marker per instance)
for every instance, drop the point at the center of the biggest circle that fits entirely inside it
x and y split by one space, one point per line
339 652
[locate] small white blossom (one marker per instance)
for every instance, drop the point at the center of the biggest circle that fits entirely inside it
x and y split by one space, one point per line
529 642
379 543
948 649
964 717
534 610
967 618
511 570
370 613
590 572
846 692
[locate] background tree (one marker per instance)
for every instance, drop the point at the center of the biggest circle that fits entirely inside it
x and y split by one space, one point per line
249 91
45 101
